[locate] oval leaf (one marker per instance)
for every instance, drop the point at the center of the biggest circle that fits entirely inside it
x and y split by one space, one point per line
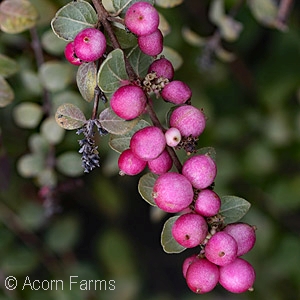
139 61
28 114
30 165
72 18
265 11
6 93
233 208
70 164
7 66
114 124
230 29
69 116
168 3
216 11
119 143
167 241
51 131
210 151
17 16
173 56
125 38
122 5
87 80
112 73
145 187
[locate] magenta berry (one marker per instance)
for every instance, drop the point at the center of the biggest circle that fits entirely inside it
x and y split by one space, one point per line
221 249
186 264
201 170
172 192
148 143
207 203
89 44
190 230
151 44
189 120
237 277
162 164
173 137
202 276
128 102
129 164
141 18
176 92
244 234
163 68
71 56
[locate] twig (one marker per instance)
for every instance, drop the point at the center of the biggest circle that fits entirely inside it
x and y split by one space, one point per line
283 13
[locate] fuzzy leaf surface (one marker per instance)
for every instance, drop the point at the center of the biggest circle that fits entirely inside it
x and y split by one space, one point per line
167 240
233 208
87 80
145 187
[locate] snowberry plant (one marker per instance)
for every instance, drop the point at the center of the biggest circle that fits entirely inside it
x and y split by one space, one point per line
123 62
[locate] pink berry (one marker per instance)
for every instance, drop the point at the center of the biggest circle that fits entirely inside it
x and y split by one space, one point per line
237 277
163 68
202 276
207 203
189 120
221 249
89 44
244 234
148 143
186 264
176 92
128 102
141 18
173 137
190 230
129 164
71 56
201 170
162 164
172 192
151 44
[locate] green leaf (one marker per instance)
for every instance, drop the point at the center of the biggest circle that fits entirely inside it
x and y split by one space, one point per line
55 76
28 114
47 177
52 44
122 5
168 3
265 11
119 143
167 241
30 165
210 151
230 29
216 11
7 66
112 73
69 116
139 61
173 56
6 93
114 124
38 143
125 38
192 37
31 80
72 18
233 208
17 16
87 80
52 132
70 164
145 187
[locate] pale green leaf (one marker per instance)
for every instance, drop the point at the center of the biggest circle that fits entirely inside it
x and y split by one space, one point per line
47 177
28 114
17 16
192 37
122 5
119 143
225 55
69 116
30 165
87 80
216 11
210 151
7 66
6 93
139 61
52 132
112 73
114 124
52 44
72 18
55 76
167 240
145 187
38 143
173 56
233 208
31 80
230 29
168 3
70 164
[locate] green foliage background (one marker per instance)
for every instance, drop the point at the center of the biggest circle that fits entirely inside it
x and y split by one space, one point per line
103 229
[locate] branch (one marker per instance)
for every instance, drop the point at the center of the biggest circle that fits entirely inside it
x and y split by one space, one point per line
283 13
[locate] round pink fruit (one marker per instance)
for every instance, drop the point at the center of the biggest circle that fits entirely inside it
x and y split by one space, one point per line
176 92
162 164
207 203
172 192
128 102
163 68
173 137
129 164
71 56
186 264
151 44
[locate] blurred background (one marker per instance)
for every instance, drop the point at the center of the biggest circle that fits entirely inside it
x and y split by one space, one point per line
97 226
